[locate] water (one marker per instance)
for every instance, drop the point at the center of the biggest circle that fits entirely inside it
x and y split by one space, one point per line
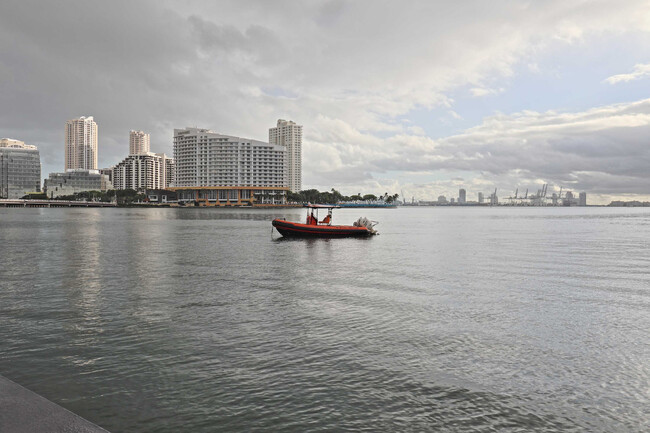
454 319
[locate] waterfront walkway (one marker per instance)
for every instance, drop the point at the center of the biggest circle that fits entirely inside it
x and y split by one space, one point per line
52 203
23 411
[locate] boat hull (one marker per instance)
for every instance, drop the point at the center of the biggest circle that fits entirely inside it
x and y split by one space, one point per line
293 229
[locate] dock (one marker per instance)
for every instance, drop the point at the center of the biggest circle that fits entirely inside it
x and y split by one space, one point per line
24 411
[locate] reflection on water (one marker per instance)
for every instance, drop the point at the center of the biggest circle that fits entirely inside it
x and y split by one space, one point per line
452 319
198 213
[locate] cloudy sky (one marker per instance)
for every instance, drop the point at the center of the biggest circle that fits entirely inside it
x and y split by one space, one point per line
423 97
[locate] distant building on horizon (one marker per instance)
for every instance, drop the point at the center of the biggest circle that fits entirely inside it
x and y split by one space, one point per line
569 199
144 171
81 144
288 134
462 196
20 168
554 199
582 200
481 198
442 199
139 143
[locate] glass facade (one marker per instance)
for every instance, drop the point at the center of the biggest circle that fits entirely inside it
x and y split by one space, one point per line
74 181
20 171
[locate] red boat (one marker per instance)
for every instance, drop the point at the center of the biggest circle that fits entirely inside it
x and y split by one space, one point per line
314 228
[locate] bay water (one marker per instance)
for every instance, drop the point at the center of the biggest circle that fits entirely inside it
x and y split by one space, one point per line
452 319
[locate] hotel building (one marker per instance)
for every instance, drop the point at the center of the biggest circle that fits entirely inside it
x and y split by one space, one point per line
289 135
217 169
81 144
20 168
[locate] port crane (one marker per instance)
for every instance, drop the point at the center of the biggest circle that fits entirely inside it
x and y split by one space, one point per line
538 199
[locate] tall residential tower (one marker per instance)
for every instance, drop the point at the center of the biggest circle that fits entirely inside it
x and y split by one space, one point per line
289 135
139 143
81 144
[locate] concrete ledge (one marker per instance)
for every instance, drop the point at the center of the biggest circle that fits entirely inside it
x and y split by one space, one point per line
23 411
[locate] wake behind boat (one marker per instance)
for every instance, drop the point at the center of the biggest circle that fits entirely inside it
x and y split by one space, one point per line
314 228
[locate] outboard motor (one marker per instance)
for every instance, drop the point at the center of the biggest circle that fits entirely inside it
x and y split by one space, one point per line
365 222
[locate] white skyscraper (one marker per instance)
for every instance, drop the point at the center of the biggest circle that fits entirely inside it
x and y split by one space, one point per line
206 158
289 135
139 143
81 144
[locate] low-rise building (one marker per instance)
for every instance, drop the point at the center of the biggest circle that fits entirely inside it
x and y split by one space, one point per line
108 172
20 168
75 181
161 196
231 195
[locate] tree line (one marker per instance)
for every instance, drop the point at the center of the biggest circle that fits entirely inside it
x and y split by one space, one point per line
333 196
123 197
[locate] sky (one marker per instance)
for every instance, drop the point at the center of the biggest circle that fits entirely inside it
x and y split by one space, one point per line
418 98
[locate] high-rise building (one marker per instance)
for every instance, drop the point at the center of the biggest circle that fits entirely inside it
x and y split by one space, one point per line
206 158
144 171
81 144
462 196
481 197
216 169
20 168
289 135
582 199
139 143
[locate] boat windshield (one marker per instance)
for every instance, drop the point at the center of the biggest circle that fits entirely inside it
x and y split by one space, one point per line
312 214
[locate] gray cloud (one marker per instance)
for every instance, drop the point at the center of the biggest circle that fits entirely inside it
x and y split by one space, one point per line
604 149
347 70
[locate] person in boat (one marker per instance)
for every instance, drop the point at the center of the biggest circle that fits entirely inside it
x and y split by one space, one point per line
311 220
327 219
